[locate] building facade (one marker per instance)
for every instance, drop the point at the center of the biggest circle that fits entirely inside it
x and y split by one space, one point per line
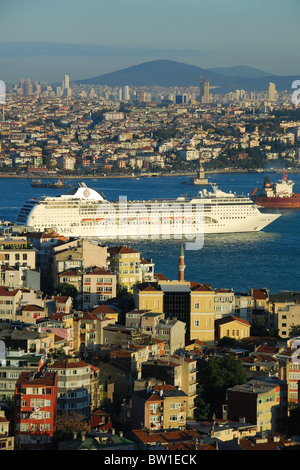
35 410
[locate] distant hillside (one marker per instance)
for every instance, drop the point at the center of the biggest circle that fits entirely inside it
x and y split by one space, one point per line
241 71
167 73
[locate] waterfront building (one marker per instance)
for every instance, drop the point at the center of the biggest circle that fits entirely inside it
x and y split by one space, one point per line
35 410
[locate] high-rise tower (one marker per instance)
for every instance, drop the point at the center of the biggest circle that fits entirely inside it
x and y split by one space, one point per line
204 91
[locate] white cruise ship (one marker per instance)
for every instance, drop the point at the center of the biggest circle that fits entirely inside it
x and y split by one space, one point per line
84 212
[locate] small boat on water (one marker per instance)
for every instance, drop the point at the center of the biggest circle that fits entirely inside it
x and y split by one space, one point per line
60 184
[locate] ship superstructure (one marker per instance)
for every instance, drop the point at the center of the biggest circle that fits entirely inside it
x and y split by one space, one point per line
84 212
278 195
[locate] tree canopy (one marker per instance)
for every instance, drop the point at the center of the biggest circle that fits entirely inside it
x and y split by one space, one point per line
215 376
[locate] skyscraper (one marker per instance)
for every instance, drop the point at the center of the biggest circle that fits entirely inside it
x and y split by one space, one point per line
28 87
126 93
204 91
272 92
67 81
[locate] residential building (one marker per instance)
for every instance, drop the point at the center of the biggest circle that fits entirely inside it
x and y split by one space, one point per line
35 410
288 317
126 263
148 296
12 365
31 313
77 254
99 285
160 407
89 332
289 369
17 251
172 332
279 302
10 299
190 302
175 370
261 401
6 439
232 327
20 277
224 303
202 312
73 386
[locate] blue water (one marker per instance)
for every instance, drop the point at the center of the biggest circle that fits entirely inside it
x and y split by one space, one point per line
270 258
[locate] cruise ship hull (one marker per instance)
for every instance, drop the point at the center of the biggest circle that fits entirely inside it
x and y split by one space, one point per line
87 214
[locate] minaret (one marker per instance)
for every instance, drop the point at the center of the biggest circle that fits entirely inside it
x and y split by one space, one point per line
181 265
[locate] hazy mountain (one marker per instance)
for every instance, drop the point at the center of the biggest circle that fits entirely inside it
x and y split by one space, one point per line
166 73
241 71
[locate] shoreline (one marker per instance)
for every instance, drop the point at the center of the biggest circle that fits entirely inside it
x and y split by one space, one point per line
145 175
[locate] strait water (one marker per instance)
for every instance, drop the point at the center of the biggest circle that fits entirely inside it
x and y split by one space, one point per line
270 258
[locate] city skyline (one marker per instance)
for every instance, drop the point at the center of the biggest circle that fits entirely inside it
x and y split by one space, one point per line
42 41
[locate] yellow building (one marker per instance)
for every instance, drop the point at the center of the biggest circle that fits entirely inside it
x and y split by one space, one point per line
232 327
202 312
189 302
126 263
148 296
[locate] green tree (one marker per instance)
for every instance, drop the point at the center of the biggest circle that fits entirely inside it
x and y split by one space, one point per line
68 290
216 376
68 423
294 330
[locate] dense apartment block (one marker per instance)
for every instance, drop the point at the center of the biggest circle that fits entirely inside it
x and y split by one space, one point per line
160 407
73 386
99 285
126 263
35 410
17 251
262 401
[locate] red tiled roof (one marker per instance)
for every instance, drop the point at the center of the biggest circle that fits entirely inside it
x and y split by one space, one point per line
231 318
121 249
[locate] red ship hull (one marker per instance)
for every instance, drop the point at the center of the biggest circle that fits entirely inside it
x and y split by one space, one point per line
278 202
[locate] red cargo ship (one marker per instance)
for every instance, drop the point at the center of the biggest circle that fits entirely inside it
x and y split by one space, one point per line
276 195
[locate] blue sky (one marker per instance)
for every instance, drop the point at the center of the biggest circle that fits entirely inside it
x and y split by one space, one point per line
44 40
